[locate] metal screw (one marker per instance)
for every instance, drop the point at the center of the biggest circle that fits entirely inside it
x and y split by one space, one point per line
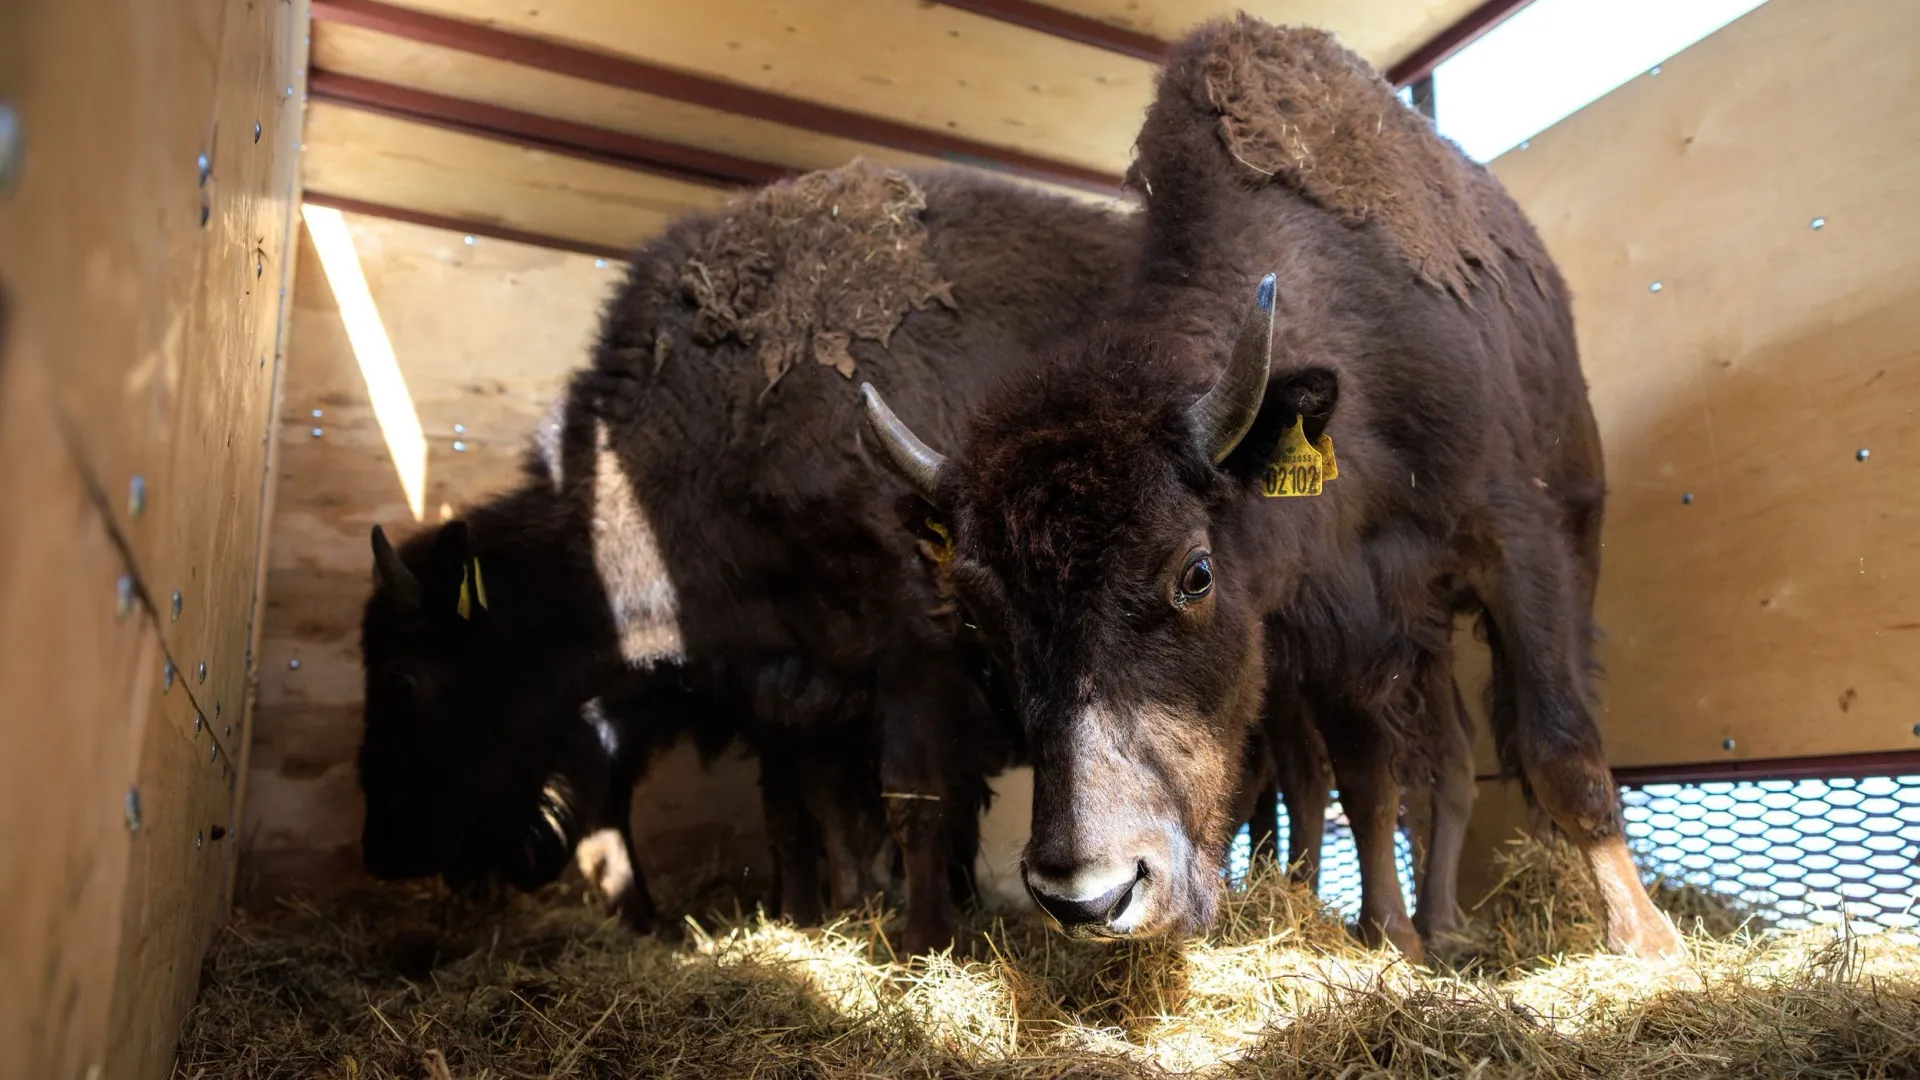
1916 731
205 165
206 211
600 264
200 673
12 148
1728 745
229 734
1686 498
136 496
199 722
1655 287
213 751
216 711
459 447
133 809
1817 224
259 267
256 131
176 605
123 596
197 838
293 665
1524 143
166 674
459 429
1862 454
317 432
470 241
1655 71
317 414
289 91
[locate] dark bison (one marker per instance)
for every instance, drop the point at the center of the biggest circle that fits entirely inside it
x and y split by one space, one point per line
1110 510
699 543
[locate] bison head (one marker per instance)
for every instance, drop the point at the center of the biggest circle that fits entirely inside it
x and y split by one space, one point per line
477 762
1100 536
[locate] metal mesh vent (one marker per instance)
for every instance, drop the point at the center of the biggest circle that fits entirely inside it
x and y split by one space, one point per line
1794 852
1339 861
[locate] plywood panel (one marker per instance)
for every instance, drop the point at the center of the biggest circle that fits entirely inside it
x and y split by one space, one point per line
1383 31
1761 584
361 155
928 65
75 681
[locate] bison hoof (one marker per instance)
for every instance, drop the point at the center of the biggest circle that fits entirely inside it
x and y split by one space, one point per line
925 936
1647 934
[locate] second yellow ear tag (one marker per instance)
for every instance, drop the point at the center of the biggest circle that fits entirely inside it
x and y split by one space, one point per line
1298 469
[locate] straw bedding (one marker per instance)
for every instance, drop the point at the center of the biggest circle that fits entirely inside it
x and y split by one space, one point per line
408 983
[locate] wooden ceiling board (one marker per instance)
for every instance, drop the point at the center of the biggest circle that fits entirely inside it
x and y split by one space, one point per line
1384 31
363 155
930 66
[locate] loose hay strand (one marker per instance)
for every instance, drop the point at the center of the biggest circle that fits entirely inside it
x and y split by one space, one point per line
398 983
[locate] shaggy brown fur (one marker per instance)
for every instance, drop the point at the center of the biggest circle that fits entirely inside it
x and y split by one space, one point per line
804 267
1296 109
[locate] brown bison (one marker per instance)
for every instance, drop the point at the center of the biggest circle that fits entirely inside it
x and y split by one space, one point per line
1153 523
698 544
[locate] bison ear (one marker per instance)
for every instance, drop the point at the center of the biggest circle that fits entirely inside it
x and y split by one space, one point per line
1304 396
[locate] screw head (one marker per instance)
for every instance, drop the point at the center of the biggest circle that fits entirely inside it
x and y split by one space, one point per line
1817 224
317 432
12 148
459 429
1655 71
213 751
1916 731
133 809
229 731
197 840
176 606
1686 498
600 264
1862 454
317 414
166 674
1655 287
1727 745
459 447
200 672
470 241
123 596
205 166
256 131
293 665
206 211
136 496
216 710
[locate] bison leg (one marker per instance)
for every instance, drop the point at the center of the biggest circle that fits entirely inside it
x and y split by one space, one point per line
609 860
1449 806
1300 758
1540 637
841 804
921 707
1363 765
790 827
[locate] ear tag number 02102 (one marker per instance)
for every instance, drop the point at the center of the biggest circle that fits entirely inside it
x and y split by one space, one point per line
1299 467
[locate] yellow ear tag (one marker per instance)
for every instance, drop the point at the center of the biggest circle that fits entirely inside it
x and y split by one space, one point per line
472 587
1297 467
480 583
944 550
465 606
1329 470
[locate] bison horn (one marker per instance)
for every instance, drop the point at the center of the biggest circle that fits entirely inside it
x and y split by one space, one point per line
389 571
1224 415
914 460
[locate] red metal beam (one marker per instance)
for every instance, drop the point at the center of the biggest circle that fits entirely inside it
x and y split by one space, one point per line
1886 763
542 132
630 74
1066 24
450 224
1421 62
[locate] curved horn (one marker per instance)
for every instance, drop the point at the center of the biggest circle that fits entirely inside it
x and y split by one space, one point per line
388 570
914 460
1224 414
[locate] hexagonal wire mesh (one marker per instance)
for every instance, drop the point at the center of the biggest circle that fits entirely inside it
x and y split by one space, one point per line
1794 852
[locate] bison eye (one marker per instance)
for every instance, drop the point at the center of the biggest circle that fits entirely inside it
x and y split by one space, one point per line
1196 579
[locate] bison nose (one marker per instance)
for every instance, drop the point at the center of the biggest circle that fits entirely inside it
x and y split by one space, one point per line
1084 903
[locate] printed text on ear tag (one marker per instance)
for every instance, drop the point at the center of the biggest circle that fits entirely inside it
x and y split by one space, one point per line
1296 468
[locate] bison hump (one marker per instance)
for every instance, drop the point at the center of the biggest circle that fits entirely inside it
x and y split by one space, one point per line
800 269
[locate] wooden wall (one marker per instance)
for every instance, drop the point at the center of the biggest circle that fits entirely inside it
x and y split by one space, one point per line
484 334
1742 238
142 267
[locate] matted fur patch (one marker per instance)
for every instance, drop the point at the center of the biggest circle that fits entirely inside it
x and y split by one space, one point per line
1297 109
802 268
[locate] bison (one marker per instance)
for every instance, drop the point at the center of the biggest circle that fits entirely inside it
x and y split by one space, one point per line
698 543
1152 522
